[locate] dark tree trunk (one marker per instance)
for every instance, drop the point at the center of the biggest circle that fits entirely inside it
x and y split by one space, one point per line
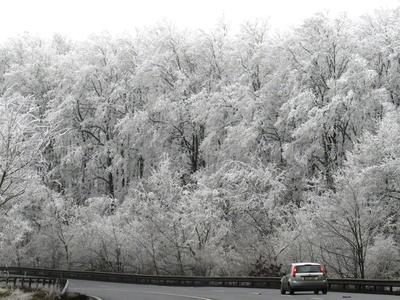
110 179
141 166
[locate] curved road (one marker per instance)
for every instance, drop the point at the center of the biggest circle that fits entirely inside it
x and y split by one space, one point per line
123 291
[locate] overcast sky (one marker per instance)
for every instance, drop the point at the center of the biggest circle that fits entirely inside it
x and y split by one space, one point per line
79 18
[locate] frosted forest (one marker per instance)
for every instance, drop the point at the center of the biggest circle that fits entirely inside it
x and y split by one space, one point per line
212 153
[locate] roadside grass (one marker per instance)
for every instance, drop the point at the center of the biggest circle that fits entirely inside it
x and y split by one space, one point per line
4 292
26 294
14 294
41 295
30 294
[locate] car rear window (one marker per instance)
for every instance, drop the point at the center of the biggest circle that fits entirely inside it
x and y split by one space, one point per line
308 269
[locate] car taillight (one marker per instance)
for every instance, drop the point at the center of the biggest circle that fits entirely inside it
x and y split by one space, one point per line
323 270
294 271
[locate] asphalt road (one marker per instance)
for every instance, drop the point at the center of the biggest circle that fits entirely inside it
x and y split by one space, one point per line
122 291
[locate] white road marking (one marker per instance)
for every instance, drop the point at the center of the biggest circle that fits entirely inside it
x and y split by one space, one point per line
184 296
151 293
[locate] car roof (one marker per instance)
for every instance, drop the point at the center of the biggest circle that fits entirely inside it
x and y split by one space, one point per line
306 263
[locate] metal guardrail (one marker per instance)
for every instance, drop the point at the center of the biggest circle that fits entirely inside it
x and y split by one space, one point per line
21 279
150 279
366 285
65 288
348 285
30 282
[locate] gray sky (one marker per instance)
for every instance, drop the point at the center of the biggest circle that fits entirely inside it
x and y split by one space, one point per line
79 18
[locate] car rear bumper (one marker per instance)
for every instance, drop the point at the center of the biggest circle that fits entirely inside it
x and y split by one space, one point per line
303 285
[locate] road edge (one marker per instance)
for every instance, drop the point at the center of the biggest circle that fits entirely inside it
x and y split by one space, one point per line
94 297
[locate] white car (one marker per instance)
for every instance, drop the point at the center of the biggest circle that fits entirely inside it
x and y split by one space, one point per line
305 277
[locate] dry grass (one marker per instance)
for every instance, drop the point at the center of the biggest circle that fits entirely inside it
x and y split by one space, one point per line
16 294
30 294
4 292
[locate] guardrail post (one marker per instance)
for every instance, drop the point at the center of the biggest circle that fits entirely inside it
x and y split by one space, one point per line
30 282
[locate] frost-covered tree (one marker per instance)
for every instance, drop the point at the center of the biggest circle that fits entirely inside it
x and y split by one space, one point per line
204 152
22 138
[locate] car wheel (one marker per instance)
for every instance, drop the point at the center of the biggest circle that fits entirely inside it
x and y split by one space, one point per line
324 291
291 290
316 292
283 291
